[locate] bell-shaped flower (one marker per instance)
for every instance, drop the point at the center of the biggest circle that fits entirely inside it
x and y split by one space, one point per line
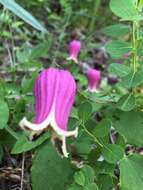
74 49
54 93
93 77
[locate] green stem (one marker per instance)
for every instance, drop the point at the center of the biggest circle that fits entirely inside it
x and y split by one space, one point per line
92 136
12 132
95 10
135 39
134 47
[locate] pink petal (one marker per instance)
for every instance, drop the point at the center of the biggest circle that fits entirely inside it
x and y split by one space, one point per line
64 99
74 49
93 77
44 92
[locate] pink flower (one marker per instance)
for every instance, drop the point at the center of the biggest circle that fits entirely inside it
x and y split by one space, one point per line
54 93
74 49
93 77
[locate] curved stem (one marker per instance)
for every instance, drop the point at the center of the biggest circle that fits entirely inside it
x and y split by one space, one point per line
92 136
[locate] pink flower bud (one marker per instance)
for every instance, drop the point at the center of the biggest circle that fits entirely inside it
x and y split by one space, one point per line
74 49
93 77
126 56
54 93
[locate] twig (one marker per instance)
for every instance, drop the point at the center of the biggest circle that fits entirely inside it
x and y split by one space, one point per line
10 55
22 171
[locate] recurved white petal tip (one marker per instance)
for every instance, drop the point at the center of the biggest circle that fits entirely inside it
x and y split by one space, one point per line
64 148
73 59
22 123
76 132
91 89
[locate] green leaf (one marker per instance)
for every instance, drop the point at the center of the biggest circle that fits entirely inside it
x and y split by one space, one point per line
121 141
130 125
83 147
75 187
81 78
23 54
84 111
94 155
131 175
102 128
89 174
27 84
4 114
27 54
119 69
85 176
74 113
118 48
132 79
14 134
125 9
23 14
112 153
49 170
105 182
41 49
103 168
127 102
6 139
23 144
79 178
73 123
91 186
116 30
